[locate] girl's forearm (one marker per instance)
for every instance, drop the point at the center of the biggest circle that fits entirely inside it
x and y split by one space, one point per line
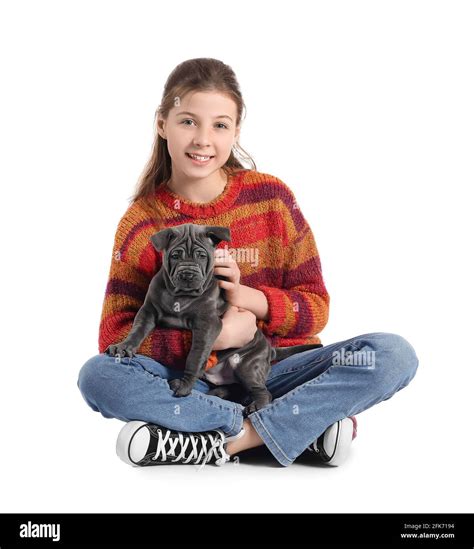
221 342
250 299
254 301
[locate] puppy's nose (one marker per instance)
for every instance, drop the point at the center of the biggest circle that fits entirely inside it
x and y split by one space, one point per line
186 275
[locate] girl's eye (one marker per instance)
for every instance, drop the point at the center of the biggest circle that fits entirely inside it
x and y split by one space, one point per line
189 120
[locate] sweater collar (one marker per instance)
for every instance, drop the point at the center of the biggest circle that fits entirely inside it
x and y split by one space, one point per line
195 209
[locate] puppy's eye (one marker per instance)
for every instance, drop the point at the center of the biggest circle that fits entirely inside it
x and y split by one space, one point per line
176 254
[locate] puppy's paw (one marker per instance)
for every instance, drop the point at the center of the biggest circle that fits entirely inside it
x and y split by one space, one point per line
253 407
180 387
121 350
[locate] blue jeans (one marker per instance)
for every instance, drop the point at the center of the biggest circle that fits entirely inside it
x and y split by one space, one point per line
311 391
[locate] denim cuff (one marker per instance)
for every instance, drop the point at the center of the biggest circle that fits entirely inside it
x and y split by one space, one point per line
237 422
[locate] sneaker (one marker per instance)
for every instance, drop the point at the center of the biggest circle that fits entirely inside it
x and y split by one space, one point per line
141 444
334 444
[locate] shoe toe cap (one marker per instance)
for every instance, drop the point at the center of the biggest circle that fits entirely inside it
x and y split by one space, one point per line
133 442
337 441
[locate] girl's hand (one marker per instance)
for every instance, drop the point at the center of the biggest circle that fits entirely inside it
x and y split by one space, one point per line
238 328
224 264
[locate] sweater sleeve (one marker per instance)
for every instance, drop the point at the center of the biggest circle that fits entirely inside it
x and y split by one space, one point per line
125 291
300 307
134 263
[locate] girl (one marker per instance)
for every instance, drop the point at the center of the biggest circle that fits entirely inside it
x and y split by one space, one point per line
194 176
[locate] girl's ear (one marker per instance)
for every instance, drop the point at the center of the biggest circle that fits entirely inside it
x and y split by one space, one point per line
161 127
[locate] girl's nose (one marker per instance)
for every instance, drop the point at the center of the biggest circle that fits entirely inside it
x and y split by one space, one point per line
201 139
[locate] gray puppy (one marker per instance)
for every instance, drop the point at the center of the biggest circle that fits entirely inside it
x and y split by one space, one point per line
184 293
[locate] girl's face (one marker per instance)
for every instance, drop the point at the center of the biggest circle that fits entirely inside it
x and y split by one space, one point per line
203 124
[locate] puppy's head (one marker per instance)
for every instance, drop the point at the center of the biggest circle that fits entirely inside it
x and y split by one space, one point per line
188 254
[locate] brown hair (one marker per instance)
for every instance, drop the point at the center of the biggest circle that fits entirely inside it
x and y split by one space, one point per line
201 74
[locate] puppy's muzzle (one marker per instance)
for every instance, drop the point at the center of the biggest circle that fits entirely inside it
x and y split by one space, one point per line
188 277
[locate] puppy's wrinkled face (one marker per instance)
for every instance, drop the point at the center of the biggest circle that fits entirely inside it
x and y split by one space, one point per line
189 254
188 263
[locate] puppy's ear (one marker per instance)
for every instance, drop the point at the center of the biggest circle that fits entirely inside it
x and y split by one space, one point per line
161 239
216 234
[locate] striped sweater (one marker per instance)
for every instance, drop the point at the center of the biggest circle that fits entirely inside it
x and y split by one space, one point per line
271 242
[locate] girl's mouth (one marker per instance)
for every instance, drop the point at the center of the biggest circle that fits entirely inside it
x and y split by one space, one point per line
199 160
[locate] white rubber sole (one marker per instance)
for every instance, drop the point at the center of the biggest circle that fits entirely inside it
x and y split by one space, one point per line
339 435
132 442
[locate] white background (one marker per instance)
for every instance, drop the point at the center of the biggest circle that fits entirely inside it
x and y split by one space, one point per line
364 109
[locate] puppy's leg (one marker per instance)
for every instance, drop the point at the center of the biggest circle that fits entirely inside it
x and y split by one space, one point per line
205 332
143 324
253 375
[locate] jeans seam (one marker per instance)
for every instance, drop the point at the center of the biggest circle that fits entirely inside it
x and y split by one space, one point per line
349 344
234 419
314 381
318 359
274 442
226 406
296 369
299 388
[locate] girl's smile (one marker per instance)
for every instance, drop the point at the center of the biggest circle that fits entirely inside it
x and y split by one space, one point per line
201 160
